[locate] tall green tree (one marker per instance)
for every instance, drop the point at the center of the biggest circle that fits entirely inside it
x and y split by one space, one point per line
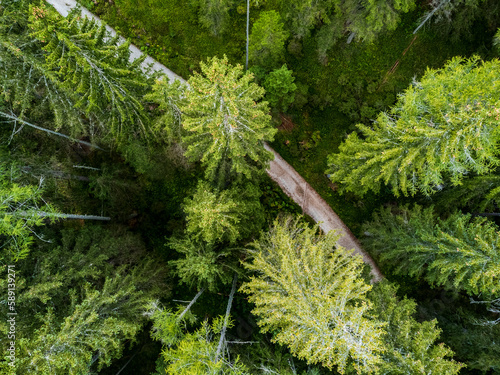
310 293
410 345
82 60
280 89
223 216
225 120
359 19
267 41
19 207
458 252
201 264
196 354
214 14
443 127
80 299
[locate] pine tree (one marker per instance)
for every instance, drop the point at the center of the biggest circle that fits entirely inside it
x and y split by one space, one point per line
410 345
280 89
202 265
223 216
441 128
214 14
267 41
310 293
458 252
81 59
80 299
224 121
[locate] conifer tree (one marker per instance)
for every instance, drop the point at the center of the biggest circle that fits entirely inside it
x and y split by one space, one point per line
267 41
201 265
214 14
196 354
81 59
280 89
169 96
19 207
27 89
441 128
361 20
80 299
458 252
410 345
223 216
310 293
225 121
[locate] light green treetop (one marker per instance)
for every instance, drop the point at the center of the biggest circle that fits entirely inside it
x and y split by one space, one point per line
225 120
267 41
227 215
441 128
310 293
280 89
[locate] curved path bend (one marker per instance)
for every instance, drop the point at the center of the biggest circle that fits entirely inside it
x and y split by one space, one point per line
279 170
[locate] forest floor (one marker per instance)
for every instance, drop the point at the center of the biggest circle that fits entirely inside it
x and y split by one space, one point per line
280 171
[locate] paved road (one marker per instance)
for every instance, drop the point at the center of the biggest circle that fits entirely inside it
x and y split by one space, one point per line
279 170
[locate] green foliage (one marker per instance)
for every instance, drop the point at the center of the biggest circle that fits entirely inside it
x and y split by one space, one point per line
363 20
168 96
458 252
280 89
267 40
196 353
444 125
202 265
223 216
479 193
410 345
224 121
80 302
214 14
309 292
83 61
20 208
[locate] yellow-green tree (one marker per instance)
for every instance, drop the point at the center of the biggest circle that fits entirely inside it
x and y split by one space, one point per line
309 292
443 127
225 121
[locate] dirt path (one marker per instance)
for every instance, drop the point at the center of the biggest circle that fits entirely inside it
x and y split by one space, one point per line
280 171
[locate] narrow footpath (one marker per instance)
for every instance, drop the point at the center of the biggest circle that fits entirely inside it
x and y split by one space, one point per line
279 170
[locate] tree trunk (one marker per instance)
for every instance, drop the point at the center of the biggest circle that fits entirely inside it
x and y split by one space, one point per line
226 318
15 118
248 26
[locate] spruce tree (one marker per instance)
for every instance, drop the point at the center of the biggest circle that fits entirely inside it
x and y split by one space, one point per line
225 120
267 41
280 89
410 345
310 293
443 127
458 252
201 264
223 216
80 299
82 60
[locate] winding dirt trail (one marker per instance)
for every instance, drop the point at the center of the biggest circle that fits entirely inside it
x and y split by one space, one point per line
279 170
